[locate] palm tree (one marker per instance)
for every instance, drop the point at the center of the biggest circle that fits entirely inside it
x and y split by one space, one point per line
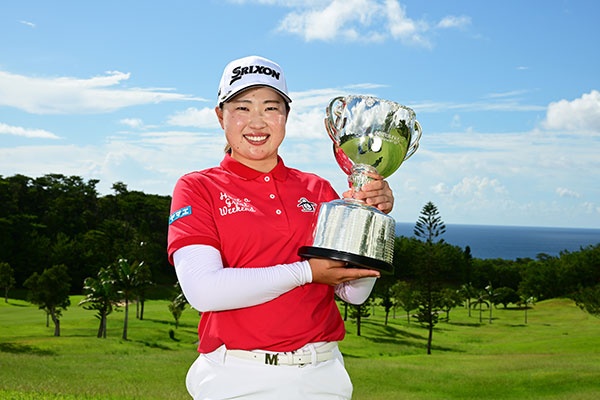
489 290
526 301
143 282
177 306
127 281
100 295
481 301
467 291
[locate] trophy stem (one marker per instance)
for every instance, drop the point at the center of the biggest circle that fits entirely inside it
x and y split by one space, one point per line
359 176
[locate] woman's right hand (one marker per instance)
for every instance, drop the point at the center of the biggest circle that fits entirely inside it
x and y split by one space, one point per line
332 272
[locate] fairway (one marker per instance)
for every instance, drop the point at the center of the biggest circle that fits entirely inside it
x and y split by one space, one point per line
556 355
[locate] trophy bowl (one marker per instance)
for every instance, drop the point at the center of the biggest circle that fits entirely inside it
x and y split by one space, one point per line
370 135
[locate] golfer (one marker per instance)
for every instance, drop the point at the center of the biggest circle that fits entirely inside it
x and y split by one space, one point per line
270 326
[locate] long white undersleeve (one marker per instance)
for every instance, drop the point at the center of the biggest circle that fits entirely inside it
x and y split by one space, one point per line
208 286
356 291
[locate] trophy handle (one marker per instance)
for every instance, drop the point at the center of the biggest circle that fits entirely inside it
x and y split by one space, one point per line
334 126
414 143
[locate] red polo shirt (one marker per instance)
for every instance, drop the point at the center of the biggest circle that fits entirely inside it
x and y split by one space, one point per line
257 219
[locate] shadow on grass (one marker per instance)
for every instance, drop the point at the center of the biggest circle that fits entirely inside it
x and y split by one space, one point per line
378 333
471 324
16 348
17 305
153 345
182 324
391 335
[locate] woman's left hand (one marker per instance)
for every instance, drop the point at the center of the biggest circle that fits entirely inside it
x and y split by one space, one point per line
376 193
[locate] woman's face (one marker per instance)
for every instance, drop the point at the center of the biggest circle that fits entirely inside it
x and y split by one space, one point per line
254 125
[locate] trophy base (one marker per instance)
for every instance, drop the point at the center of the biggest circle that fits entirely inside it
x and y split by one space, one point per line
354 260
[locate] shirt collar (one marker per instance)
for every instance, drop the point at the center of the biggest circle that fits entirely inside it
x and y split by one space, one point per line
280 171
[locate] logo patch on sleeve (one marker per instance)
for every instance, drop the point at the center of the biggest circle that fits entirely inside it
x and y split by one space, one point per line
182 212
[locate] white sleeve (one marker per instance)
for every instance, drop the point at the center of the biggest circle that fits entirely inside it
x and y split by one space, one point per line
208 286
356 291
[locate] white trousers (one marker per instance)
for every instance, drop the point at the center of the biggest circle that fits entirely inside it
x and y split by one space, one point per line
216 376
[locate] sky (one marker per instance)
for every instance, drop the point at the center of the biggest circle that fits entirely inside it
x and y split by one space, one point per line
507 94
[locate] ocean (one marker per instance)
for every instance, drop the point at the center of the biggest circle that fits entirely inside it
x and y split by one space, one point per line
512 242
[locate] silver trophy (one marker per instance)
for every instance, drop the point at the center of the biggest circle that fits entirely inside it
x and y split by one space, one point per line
370 135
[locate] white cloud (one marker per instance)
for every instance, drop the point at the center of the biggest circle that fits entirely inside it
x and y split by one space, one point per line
135 123
403 28
500 95
26 132
582 114
338 19
453 21
27 23
77 96
474 186
193 117
361 21
564 192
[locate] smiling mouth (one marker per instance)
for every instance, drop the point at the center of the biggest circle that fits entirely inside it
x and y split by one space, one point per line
256 139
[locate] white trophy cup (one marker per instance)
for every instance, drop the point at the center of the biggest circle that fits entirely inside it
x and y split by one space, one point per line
370 135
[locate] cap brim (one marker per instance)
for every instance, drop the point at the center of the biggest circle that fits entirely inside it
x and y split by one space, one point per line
243 89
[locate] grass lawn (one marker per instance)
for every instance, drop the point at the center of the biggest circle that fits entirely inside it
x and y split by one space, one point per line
556 355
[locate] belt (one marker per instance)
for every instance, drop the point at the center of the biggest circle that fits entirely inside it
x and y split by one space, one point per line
320 354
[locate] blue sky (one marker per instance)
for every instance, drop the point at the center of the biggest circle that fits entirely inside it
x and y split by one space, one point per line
508 94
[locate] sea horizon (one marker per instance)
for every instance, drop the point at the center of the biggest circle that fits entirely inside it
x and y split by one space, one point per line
511 242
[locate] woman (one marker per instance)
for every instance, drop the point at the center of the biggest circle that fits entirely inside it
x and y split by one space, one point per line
270 325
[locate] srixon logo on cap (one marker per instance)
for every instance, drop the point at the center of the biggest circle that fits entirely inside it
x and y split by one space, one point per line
238 72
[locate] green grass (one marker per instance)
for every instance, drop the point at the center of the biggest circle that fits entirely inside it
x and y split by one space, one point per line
555 356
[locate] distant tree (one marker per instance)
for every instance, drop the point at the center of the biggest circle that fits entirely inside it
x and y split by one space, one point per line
7 278
467 272
100 294
406 297
490 294
480 301
50 292
127 278
467 292
505 295
360 311
429 226
143 282
177 305
524 302
588 299
449 298
387 302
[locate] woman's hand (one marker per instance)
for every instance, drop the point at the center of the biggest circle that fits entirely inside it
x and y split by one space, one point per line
331 272
376 193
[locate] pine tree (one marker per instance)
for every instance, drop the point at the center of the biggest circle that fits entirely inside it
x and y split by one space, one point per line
429 226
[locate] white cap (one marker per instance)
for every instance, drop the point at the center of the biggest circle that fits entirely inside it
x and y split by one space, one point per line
247 72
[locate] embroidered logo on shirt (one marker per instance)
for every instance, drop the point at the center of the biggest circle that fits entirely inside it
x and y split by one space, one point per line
307 206
182 212
234 205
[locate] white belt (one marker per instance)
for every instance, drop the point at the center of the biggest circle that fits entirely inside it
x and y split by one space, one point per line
320 354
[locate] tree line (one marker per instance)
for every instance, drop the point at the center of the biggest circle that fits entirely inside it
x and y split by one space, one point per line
62 220
111 245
